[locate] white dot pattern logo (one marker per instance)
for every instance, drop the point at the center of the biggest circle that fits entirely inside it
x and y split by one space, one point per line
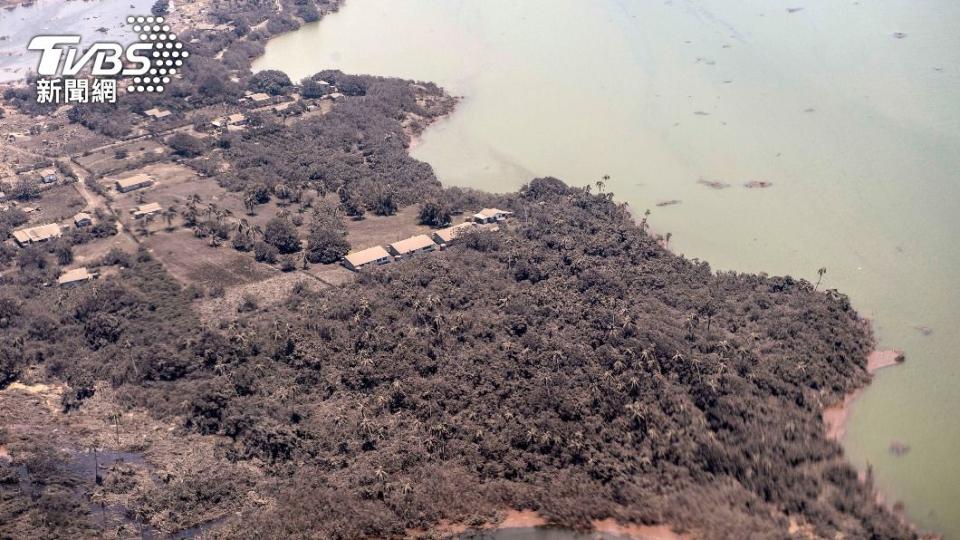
167 53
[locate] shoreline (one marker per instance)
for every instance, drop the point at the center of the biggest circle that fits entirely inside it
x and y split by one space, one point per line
837 416
530 519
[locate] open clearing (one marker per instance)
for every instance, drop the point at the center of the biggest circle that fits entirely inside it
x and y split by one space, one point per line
106 162
192 261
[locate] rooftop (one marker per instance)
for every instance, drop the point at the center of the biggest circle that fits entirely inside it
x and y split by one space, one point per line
157 113
412 244
37 234
72 276
367 256
490 213
260 96
134 180
451 233
149 208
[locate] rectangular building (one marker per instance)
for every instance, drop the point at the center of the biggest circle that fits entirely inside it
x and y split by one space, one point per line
491 215
133 183
157 113
40 233
75 277
48 176
147 209
371 256
413 245
449 235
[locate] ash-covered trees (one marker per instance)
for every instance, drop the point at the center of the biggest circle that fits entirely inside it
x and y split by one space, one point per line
281 234
434 214
271 81
327 242
186 145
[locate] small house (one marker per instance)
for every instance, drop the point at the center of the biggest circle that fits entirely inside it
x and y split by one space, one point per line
157 114
48 176
260 97
413 245
75 277
83 219
371 256
146 210
41 233
133 183
334 96
491 215
447 236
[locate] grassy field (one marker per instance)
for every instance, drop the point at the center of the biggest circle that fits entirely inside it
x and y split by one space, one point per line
192 261
56 204
106 161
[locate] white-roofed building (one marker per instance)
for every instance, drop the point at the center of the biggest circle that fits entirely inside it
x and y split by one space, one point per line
449 235
147 209
491 215
41 233
135 182
370 256
413 245
75 277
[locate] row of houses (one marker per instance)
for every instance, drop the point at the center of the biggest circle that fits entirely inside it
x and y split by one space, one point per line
421 243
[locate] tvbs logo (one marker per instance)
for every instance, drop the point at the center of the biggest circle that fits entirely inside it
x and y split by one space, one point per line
147 64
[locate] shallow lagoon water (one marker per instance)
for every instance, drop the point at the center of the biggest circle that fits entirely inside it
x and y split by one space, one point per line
84 18
851 111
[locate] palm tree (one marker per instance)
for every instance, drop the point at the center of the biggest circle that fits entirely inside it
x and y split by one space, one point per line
820 272
168 216
601 184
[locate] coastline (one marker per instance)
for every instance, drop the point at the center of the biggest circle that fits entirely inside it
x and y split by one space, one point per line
530 519
836 416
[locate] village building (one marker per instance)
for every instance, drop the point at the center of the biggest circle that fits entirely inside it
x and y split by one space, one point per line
491 215
372 256
413 245
82 219
75 277
157 114
48 176
41 233
447 236
235 119
334 96
135 182
146 210
260 97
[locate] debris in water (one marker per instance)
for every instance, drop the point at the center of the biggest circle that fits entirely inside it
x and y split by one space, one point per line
701 113
899 449
671 202
757 184
899 35
925 330
714 184
794 9
809 110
